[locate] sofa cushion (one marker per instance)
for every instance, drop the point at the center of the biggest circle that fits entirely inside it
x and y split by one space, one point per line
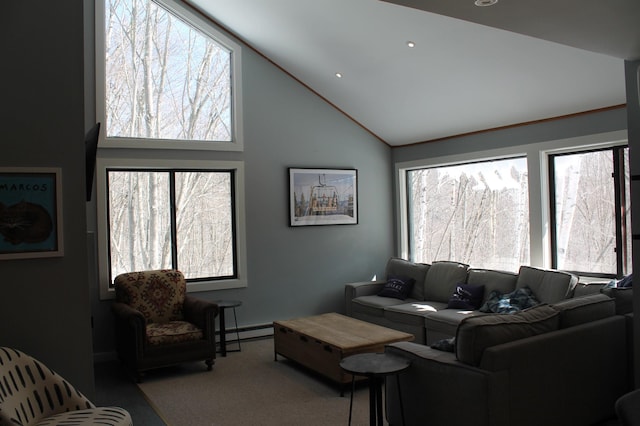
549 286
510 303
579 310
446 321
172 332
397 287
412 313
397 267
501 281
477 333
466 296
373 305
442 279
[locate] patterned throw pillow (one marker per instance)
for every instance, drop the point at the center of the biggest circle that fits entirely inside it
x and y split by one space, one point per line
467 297
397 287
445 345
510 303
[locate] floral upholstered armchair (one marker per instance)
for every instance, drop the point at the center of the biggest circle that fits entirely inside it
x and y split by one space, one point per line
33 394
158 324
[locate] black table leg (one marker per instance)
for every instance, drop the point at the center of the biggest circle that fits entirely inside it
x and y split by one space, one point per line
400 396
223 334
372 401
353 388
379 381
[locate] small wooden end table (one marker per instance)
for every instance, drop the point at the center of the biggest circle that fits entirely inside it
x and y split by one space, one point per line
376 367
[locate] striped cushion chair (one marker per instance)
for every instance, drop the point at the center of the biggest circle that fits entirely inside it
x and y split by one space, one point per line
33 394
158 324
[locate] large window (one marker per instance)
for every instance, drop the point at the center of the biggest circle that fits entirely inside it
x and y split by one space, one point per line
477 213
172 219
591 212
561 204
170 79
166 79
170 213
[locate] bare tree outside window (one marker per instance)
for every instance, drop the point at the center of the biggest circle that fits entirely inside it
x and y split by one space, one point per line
164 78
140 222
586 210
204 215
168 84
476 213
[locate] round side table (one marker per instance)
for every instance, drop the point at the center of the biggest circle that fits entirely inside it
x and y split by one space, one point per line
376 367
222 306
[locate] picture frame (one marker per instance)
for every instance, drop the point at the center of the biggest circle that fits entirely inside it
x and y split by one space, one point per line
323 196
30 212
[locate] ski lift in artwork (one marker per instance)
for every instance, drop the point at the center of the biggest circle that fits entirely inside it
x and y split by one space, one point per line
323 198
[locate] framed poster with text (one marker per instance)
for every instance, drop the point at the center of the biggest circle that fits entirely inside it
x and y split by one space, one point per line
30 212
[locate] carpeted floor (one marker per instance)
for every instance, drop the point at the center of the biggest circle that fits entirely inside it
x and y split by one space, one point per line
115 387
246 388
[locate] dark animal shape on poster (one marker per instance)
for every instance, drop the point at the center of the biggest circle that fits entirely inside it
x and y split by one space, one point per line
25 222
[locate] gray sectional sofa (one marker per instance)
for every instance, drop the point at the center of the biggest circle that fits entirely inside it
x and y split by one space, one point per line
424 312
564 361
564 364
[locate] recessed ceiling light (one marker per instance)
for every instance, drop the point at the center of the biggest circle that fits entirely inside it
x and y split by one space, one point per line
485 2
339 75
411 44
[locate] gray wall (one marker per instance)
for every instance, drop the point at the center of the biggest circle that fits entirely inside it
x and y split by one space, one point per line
580 125
296 271
45 303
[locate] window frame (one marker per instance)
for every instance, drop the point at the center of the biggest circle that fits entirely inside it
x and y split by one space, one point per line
537 162
411 236
621 226
191 17
105 163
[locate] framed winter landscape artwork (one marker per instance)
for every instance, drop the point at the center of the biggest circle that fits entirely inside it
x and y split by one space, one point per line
323 196
30 213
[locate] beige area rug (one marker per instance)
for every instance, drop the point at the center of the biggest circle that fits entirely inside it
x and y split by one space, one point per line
250 388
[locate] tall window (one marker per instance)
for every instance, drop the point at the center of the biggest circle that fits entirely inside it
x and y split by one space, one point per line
172 219
591 212
168 76
477 213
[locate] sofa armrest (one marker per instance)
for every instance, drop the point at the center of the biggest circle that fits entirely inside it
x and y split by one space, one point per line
357 289
438 389
586 360
202 313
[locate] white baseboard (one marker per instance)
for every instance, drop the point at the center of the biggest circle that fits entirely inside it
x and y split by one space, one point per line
253 332
246 333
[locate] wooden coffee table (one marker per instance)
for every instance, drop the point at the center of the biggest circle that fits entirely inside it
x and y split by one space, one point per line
321 342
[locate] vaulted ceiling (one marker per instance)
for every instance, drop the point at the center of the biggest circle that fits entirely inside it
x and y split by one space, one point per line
470 69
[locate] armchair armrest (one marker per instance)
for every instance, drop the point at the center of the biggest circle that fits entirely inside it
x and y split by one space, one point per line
126 314
202 313
361 288
131 335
